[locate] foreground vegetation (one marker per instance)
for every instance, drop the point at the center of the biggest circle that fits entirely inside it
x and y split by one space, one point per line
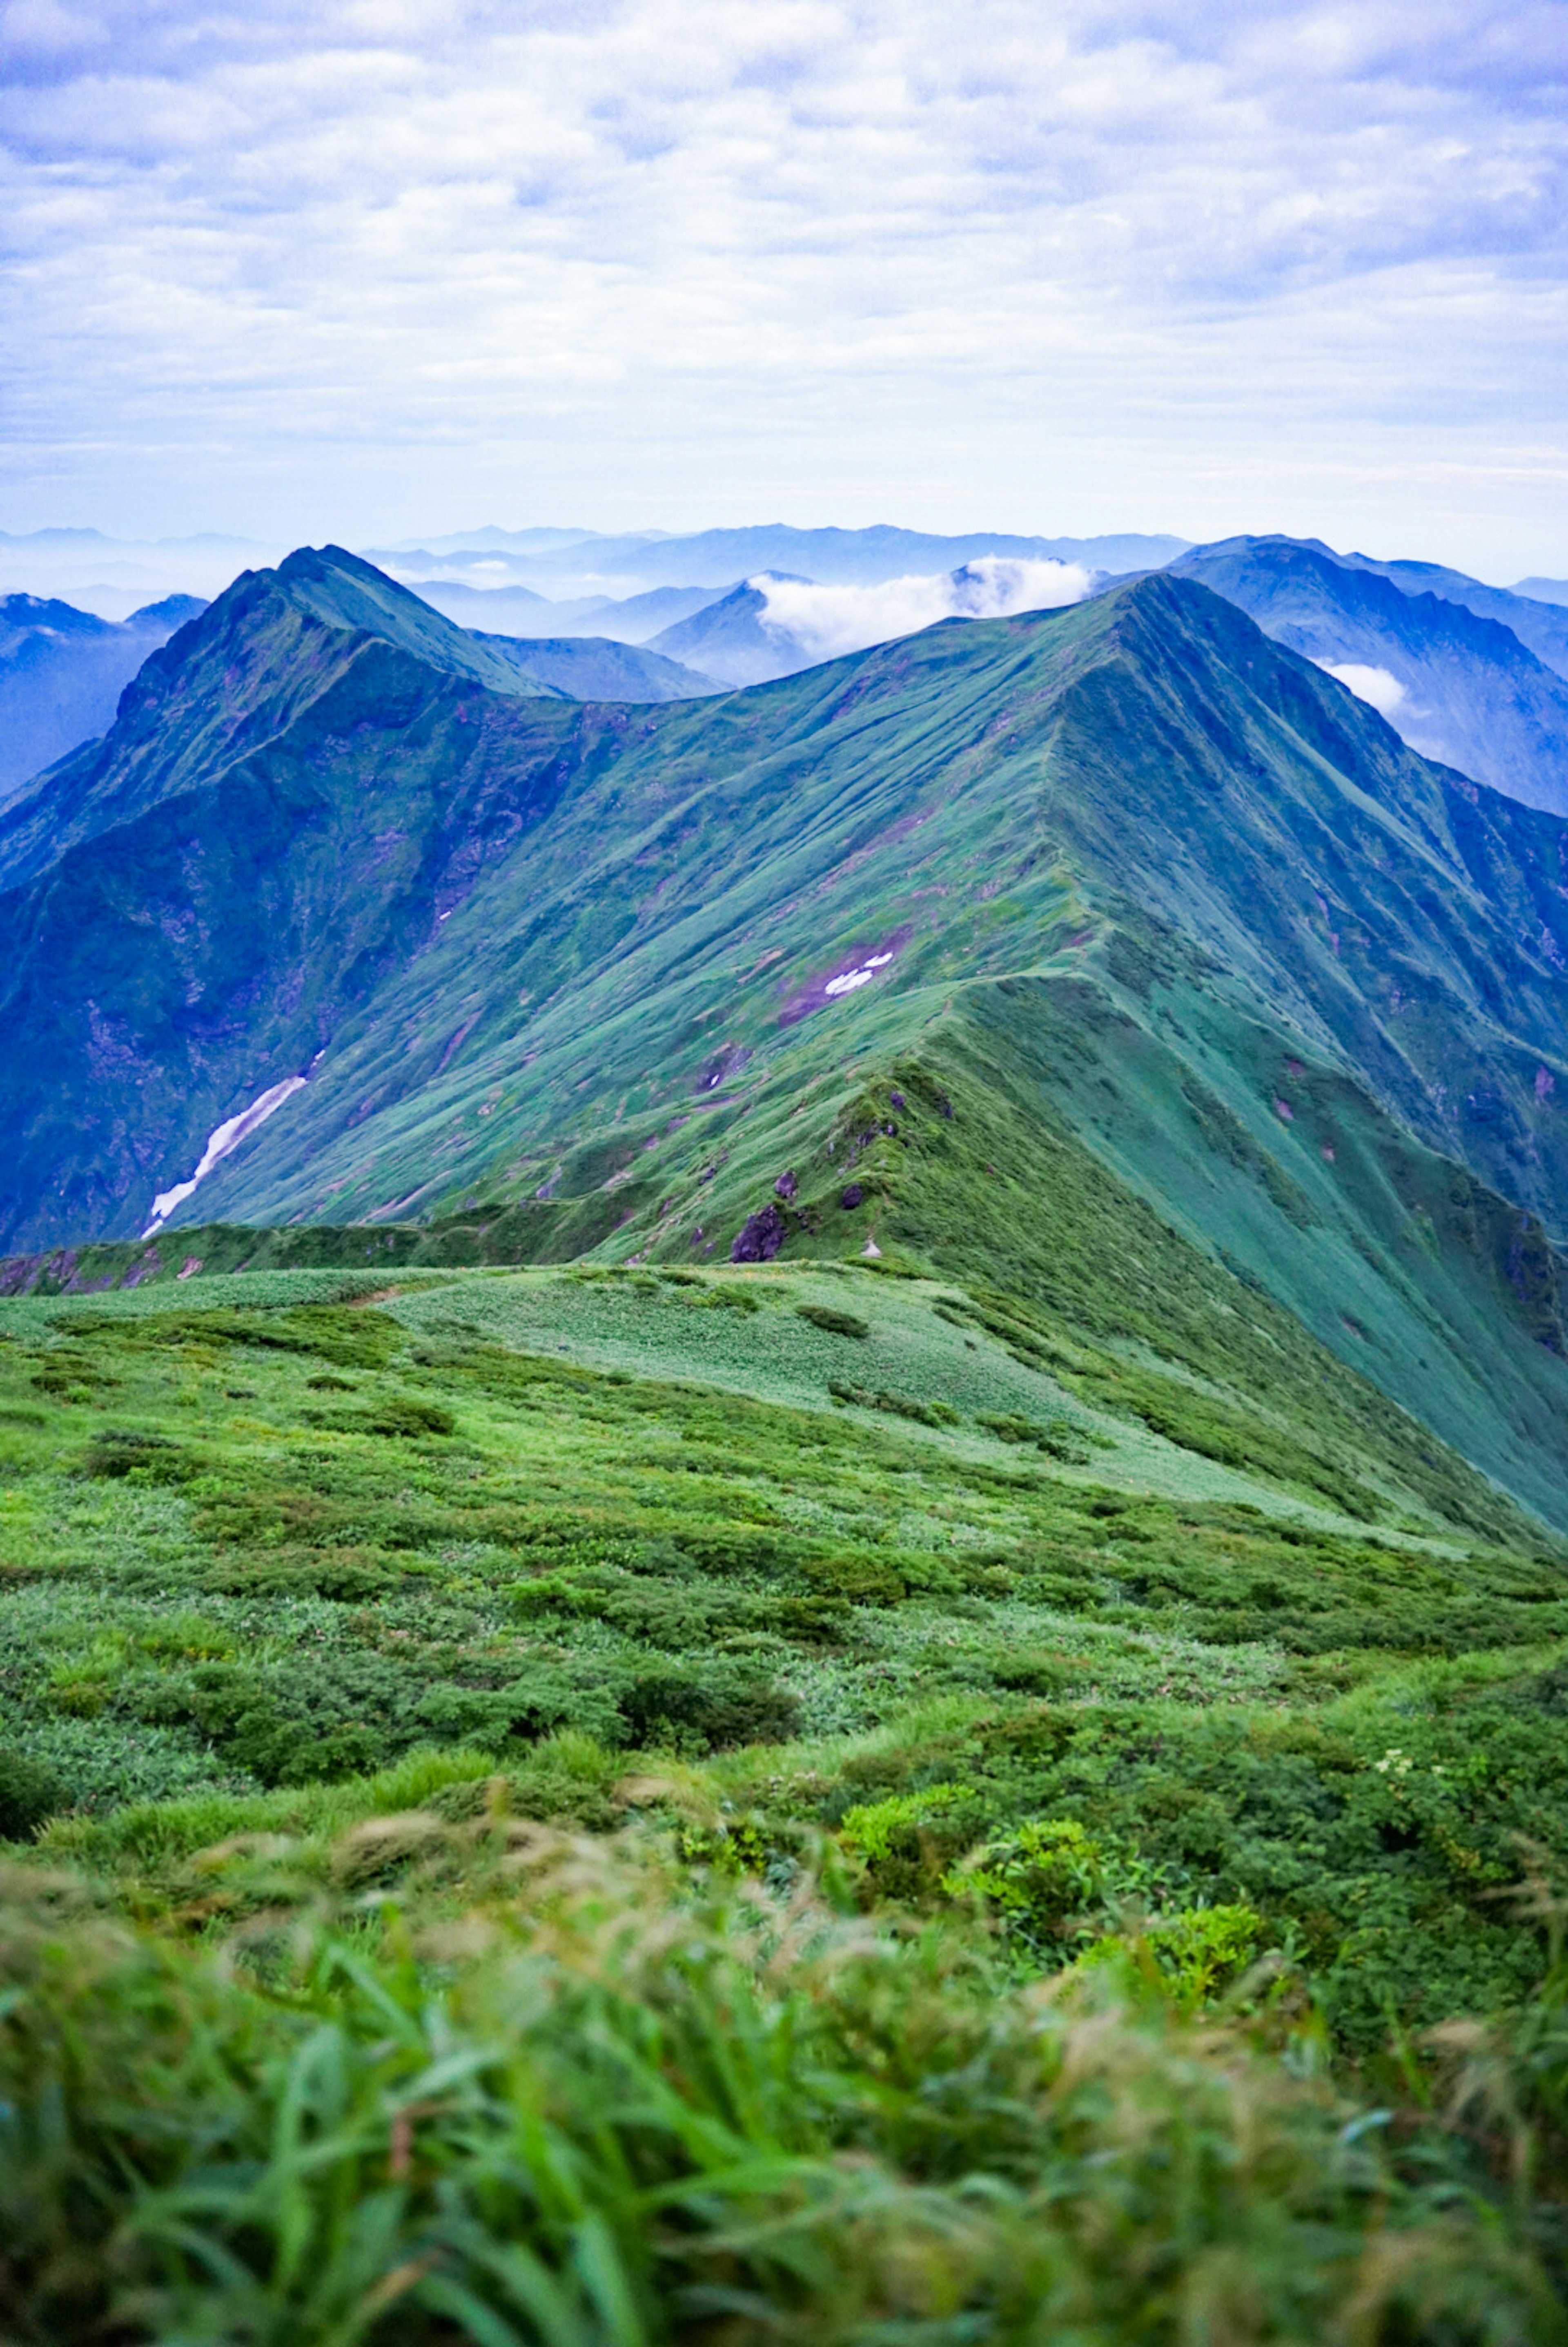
794 1800
540 2091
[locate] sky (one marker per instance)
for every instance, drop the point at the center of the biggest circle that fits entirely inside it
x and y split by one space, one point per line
374 270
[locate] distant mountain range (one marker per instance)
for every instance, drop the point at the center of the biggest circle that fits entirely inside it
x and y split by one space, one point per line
62 672
340 919
1466 673
571 565
520 612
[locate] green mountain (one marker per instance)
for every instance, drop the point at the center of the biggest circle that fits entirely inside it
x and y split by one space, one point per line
599 668
1180 901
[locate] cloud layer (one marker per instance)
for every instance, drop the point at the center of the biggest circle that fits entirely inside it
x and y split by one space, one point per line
377 266
827 620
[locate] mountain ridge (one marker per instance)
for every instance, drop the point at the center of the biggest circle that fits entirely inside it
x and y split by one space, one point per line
508 937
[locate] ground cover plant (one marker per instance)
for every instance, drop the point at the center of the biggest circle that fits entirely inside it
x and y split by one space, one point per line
543 1807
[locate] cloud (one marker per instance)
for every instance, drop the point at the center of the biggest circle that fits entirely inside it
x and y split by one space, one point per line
827 620
378 266
1376 685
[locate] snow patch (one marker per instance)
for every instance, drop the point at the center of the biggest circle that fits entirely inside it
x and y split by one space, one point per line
221 1141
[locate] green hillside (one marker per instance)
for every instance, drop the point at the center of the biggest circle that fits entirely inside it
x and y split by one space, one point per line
828 1599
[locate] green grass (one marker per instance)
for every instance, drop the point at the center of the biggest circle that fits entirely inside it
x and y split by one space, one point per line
294 1542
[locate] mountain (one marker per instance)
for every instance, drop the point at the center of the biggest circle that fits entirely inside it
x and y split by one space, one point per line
115 577
1533 621
518 611
1543 591
242 673
488 610
580 565
1452 676
597 667
729 638
1146 897
774 625
858 558
62 672
808 1448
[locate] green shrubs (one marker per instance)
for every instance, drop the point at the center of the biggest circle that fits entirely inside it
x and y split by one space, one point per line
28 1794
836 1323
696 1716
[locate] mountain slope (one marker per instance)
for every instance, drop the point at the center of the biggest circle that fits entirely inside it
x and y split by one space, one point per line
598 668
1454 678
729 638
1186 898
1528 616
237 678
62 672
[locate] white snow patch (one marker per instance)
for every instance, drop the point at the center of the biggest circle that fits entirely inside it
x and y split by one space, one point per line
1376 685
221 1141
847 983
827 620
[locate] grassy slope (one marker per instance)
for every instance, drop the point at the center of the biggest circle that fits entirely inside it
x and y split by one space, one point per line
269 1541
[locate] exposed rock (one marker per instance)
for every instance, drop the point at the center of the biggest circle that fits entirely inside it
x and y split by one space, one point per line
896 1099
760 1236
786 1186
852 1194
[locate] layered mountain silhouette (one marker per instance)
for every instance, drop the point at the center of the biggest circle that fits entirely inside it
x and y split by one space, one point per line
731 639
1174 923
1469 674
576 563
62 672
519 611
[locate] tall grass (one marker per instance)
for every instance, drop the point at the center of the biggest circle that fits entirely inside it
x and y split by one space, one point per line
552 2095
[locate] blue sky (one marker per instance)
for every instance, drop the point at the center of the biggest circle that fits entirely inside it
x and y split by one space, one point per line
372 268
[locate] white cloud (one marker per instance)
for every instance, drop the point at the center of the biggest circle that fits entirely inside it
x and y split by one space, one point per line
827 620
376 266
1376 685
